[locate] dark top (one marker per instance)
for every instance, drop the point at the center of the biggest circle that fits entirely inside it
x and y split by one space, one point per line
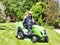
28 20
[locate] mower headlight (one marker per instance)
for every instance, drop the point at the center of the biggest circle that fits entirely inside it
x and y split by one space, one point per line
45 31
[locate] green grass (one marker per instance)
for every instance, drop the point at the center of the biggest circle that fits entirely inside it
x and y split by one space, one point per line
7 36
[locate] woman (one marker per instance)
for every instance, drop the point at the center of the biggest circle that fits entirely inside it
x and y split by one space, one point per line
28 21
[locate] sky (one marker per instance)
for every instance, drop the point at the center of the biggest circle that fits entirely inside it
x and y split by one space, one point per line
58 1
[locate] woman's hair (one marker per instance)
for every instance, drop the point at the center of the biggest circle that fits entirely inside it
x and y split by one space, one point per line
29 13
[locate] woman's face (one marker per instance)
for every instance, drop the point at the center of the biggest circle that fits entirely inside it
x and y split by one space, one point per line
29 14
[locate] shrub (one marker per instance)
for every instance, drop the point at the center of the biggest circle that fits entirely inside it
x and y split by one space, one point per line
56 24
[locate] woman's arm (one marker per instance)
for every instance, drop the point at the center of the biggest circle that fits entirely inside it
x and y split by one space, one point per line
34 21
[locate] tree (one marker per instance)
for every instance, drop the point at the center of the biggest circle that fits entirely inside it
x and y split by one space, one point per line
51 11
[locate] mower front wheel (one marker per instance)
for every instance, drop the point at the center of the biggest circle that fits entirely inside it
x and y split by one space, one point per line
46 39
34 39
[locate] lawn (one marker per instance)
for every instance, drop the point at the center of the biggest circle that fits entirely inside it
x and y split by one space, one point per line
8 33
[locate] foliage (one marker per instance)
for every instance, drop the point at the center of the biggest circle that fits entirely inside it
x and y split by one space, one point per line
55 24
2 18
18 7
40 21
2 13
13 8
38 12
19 15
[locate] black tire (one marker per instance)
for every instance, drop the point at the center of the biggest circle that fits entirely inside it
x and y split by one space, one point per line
46 39
34 39
20 35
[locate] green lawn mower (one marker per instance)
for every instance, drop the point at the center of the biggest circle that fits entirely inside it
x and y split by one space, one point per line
38 33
